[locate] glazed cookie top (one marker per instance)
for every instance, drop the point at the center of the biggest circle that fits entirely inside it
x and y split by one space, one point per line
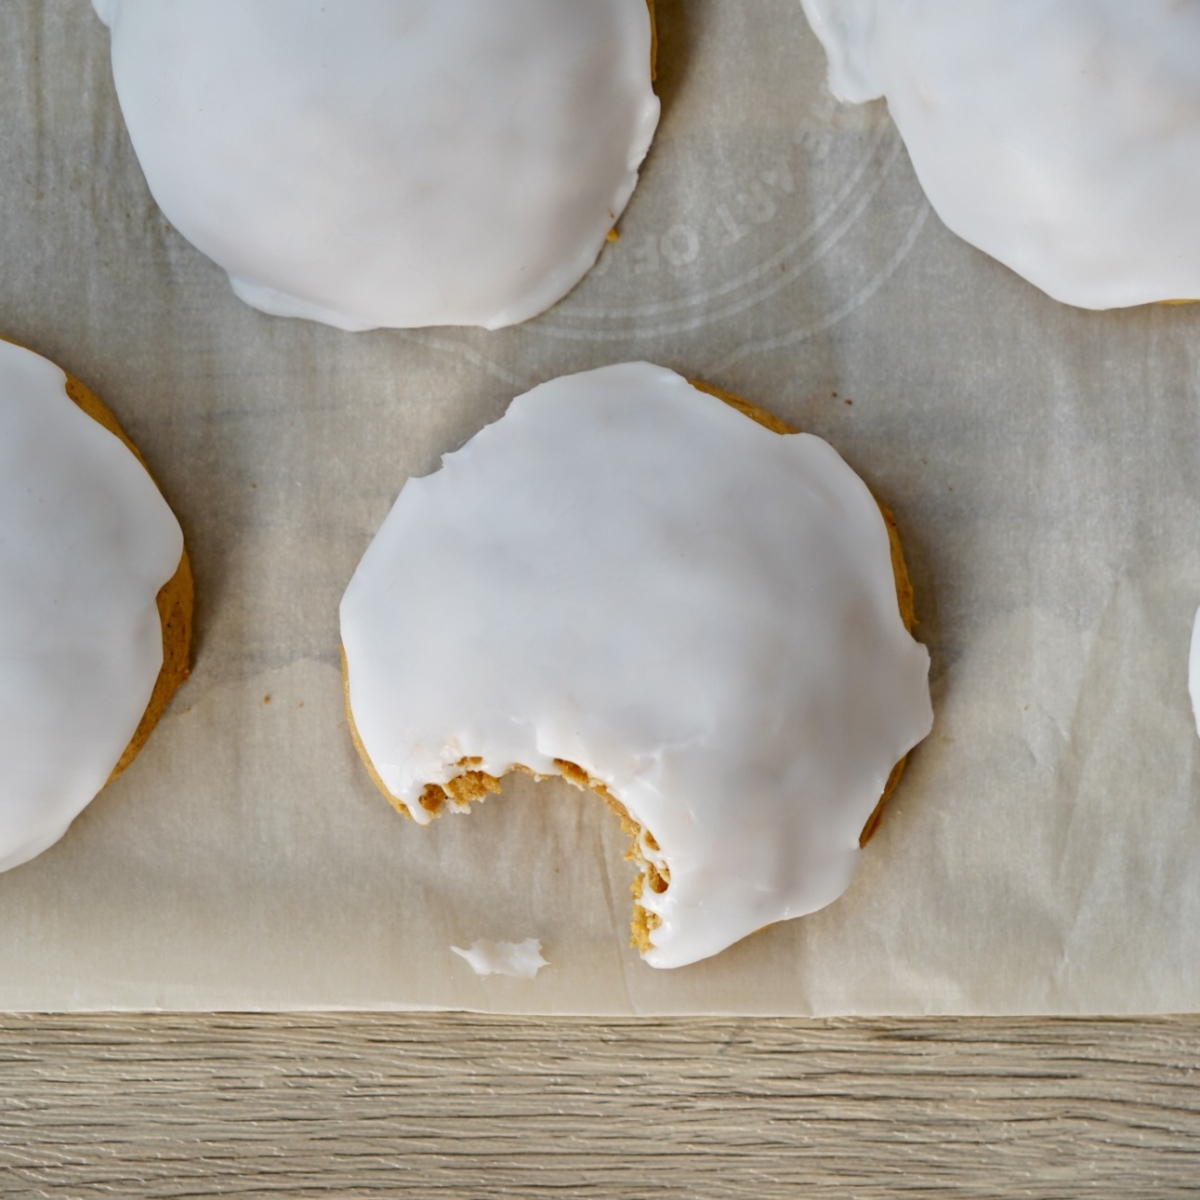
86 542
626 574
390 162
1060 136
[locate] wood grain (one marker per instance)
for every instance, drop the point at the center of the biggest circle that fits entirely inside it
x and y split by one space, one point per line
484 1107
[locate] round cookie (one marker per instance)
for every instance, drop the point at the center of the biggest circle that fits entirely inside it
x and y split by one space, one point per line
95 602
626 582
390 162
1062 137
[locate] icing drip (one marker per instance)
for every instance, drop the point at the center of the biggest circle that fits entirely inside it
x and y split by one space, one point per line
1060 136
86 542
390 162
627 582
517 960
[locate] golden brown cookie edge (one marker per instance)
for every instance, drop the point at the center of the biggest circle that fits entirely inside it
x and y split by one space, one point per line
175 599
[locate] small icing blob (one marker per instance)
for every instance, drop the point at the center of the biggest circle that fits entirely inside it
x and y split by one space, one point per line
626 581
1060 136
517 960
86 542
390 162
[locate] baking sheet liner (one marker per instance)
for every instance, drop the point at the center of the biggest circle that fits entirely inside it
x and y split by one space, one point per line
1041 855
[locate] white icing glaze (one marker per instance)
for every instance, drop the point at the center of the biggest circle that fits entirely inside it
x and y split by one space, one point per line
106 10
86 542
1060 136
628 574
390 162
517 960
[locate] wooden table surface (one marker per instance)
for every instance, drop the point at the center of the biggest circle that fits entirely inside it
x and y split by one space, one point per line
471 1106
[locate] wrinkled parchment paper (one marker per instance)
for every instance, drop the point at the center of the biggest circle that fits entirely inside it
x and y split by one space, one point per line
1043 852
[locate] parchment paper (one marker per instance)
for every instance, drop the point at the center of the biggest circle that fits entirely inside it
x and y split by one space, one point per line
1043 852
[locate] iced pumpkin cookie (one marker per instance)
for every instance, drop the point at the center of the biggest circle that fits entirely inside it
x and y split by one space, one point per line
390 162
670 599
95 602
1060 136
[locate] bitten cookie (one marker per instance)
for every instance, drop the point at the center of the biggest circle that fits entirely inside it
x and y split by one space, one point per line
390 162
1061 138
95 602
701 617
